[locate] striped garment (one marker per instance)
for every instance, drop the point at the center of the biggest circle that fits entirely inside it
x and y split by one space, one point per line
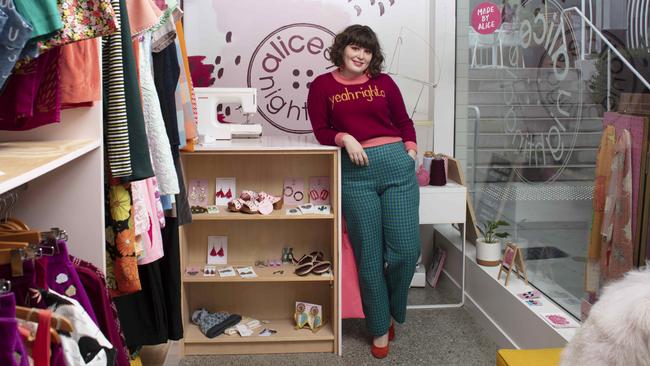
117 129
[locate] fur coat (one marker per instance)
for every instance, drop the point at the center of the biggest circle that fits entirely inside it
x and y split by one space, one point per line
617 331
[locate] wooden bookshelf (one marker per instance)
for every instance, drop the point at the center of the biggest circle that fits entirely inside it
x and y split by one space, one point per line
262 165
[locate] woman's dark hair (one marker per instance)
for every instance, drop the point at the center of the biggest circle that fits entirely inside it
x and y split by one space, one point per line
362 36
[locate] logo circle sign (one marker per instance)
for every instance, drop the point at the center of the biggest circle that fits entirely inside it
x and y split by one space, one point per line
486 18
282 68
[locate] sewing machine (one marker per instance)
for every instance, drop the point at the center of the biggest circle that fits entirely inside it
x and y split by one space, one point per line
210 129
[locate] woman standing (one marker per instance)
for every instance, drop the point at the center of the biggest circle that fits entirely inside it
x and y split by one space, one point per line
361 109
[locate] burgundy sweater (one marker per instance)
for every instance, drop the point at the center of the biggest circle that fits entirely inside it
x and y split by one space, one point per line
369 110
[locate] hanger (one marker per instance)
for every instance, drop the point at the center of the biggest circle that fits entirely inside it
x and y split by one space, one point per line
4 245
57 323
30 236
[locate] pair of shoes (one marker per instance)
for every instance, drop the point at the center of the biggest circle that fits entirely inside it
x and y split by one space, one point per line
379 352
317 267
240 205
312 263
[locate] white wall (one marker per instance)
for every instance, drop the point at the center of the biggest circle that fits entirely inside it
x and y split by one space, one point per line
281 94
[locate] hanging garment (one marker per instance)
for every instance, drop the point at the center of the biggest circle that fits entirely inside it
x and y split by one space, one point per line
139 148
116 135
159 146
43 16
166 72
151 240
10 342
153 315
62 277
170 12
636 126
86 345
80 83
13 36
617 247
190 120
121 262
41 352
603 171
107 320
32 97
170 273
144 15
182 96
24 287
143 314
82 19
3 19
141 220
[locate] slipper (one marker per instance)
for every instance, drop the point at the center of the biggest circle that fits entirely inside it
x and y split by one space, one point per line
321 267
235 205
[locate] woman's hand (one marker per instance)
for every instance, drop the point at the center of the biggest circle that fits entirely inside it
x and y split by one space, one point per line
355 151
412 153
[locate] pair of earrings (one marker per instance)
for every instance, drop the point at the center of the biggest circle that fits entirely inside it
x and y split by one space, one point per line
313 194
198 194
220 193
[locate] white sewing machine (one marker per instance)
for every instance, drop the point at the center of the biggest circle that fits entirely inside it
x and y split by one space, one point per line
210 129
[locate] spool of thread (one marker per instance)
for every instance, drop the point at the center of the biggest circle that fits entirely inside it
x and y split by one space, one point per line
437 174
426 161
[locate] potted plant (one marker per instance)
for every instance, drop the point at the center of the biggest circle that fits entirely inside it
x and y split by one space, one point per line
488 248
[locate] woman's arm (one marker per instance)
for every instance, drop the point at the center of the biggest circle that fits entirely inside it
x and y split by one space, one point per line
319 116
400 117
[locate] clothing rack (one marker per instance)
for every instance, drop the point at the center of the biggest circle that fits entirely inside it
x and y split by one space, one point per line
8 201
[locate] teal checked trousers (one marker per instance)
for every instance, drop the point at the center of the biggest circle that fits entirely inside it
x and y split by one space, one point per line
381 208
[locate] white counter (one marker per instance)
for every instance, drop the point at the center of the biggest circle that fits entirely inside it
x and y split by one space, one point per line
267 143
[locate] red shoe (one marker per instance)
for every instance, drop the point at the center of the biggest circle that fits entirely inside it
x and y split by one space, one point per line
379 352
391 332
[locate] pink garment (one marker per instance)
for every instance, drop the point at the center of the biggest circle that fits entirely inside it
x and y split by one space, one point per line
160 211
143 15
617 247
351 306
152 243
139 194
31 97
634 124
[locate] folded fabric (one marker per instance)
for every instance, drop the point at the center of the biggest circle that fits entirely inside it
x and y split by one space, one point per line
213 324
13 36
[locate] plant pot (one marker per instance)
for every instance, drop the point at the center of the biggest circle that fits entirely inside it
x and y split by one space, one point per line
488 254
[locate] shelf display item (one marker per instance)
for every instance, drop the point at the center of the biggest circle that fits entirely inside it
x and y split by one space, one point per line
287 255
227 272
560 320
214 324
209 271
217 249
294 191
198 192
322 209
246 272
308 316
225 189
307 208
319 190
